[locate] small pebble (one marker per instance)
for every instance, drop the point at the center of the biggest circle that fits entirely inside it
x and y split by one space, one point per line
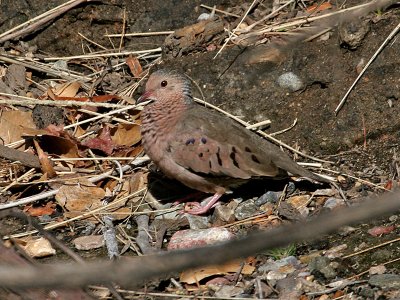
290 81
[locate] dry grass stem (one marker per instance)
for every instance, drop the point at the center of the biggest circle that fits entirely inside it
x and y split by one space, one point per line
154 33
386 41
101 55
21 100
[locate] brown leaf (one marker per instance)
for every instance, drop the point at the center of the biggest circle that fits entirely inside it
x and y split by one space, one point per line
61 146
134 65
193 276
126 134
315 8
79 197
36 211
45 163
68 89
14 124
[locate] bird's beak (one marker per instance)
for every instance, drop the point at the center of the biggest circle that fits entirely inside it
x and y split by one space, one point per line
145 97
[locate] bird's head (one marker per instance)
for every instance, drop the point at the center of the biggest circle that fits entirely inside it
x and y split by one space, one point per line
165 85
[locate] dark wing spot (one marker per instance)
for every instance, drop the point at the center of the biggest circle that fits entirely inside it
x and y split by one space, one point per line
201 154
204 140
233 157
255 159
247 149
190 141
233 149
209 164
219 157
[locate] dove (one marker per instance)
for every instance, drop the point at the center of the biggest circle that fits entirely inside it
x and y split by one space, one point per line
201 148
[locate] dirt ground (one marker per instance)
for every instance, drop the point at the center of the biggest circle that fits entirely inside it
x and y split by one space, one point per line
362 140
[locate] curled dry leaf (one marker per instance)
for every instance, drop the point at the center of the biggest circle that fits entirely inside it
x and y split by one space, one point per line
45 162
61 146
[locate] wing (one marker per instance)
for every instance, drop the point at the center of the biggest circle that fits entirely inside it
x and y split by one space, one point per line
208 143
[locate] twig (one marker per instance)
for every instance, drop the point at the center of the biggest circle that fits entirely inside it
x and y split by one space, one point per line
233 32
372 248
140 33
390 36
37 22
366 272
21 100
220 11
91 56
145 268
92 42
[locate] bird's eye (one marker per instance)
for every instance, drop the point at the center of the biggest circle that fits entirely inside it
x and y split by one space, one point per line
164 83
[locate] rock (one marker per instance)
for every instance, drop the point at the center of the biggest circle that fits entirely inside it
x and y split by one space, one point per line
38 247
279 269
336 252
351 34
88 242
198 222
290 81
246 210
228 291
385 281
195 238
269 196
381 269
223 213
321 265
333 203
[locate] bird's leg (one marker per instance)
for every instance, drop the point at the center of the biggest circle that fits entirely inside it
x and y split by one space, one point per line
195 195
199 210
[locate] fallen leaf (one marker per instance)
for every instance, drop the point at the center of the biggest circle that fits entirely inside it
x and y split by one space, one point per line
14 124
380 230
126 134
68 89
36 211
315 8
193 276
44 160
79 197
134 65
61 146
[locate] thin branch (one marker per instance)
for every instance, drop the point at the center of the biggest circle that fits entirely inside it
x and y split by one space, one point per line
387 40
141 269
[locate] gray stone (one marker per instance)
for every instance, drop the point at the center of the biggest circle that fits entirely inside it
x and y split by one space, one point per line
385 281
246 209
290 81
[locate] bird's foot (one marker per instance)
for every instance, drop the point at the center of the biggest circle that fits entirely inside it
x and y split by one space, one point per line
195 208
